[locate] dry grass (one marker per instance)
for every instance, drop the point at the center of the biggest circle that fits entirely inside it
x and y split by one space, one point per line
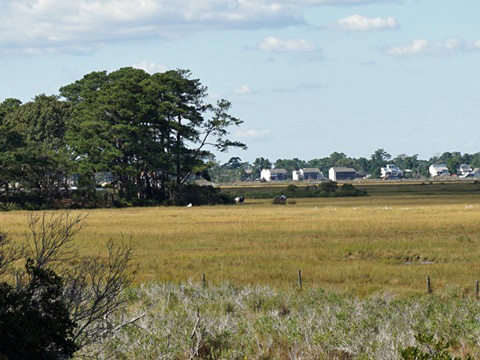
361 245
189 321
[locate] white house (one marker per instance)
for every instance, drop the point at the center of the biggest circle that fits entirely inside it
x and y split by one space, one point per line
439 170
307 174
465 170
296 175
390 171
273 174
342 173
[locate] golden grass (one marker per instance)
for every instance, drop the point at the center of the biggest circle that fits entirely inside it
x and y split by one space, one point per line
362 245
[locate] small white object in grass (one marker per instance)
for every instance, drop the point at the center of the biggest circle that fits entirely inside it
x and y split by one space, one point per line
189 205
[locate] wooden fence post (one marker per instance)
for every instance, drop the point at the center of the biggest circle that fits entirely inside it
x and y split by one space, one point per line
300 279
429 285
17 280
476 288
204 280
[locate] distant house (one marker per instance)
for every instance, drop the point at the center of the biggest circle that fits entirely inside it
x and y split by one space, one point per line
307 174
439 170
342 173
390 171
465 170
476 173
273 174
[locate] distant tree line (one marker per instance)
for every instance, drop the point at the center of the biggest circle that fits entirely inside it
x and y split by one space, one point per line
149 133
236 170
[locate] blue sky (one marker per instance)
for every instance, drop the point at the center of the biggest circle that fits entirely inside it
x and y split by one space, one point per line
308 77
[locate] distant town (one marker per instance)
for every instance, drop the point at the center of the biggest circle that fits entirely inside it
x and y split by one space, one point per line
340 167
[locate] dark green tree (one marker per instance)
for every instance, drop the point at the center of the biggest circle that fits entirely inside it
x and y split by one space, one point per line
146 129
378 159
258 165
8 106
33 135
290 164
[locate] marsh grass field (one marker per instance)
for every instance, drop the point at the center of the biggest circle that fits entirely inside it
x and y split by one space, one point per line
362 246
364 263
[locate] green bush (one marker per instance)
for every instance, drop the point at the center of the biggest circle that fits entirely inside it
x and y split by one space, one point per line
35 323
182 195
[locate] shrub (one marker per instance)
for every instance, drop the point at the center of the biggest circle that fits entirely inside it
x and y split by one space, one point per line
35 319
57 307
182 195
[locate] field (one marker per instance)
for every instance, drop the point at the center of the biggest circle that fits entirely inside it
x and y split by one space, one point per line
364 263
376 244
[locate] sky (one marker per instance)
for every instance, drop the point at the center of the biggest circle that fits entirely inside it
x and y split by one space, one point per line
307 77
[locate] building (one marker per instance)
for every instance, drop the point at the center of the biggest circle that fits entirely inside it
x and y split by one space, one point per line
465 170
273 174
438 170
307 174
391 171
476 173
342 173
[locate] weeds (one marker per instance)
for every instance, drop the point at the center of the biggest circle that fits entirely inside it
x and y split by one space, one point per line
227 322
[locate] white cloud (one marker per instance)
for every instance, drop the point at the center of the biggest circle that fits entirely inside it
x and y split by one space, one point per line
362 23
476 44
337 2
274 44
439 48
253 133
345 2
150 67
46 25
242 90
79 26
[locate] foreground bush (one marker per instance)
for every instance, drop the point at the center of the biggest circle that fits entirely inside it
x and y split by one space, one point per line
227 322
59 302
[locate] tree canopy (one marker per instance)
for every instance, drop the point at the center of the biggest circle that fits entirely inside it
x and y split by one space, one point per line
150 133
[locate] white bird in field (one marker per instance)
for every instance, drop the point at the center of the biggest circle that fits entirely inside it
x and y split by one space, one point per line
189 205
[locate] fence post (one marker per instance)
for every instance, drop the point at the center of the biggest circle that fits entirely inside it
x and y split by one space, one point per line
204 280
429 285
300 279
476 288
17 280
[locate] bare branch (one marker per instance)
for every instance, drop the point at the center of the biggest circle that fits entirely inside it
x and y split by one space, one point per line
9 253
93 289
51 237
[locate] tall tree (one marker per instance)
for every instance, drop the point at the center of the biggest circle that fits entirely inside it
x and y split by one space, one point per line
258 165
146 129
34 134
377 160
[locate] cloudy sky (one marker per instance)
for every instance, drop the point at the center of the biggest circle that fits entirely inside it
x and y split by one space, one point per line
308 77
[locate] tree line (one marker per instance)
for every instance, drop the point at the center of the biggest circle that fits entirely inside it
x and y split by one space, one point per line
236 170
149 133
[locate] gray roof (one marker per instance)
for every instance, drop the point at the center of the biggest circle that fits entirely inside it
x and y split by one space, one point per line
343 169
439 166
278 171
311 170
